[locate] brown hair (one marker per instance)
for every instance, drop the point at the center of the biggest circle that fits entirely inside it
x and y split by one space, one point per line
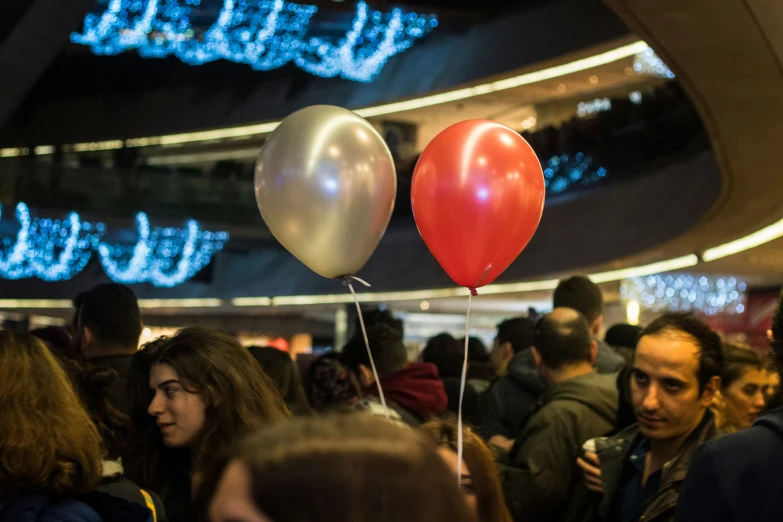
350 468
239 396
738 359
479 460
47 441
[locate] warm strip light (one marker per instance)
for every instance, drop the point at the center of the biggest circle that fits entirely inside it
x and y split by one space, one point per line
36 303
759 237
407 105
181 303
93 146
643 270
10 153
252 301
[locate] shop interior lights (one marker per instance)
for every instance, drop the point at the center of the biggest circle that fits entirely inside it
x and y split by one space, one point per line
647 62
264 34
685 292
564 172
57 250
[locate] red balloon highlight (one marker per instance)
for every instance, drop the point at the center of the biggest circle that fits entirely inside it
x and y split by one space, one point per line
477 195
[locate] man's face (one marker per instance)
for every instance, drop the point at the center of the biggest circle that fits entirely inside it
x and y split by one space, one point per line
665 387
499 356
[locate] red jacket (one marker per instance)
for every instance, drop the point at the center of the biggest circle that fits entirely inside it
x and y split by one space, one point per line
417 389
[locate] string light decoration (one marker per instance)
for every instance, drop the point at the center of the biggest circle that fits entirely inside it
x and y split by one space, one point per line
55 250
647 62
264 34
593 107
564 172
686 292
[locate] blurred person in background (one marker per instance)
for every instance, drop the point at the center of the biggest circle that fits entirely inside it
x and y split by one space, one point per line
543 481
51 453
480 372
622 337
192 396
743 384
337 469
335 389
414 390
448 356
107 326
479 475
676 374
773 384
735 478
584 296
284 372
510 398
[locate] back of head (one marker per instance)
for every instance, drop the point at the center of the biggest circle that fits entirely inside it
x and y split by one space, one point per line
47 441
777 332
481 463
387 348
518 332
623 335
446 353
350 468
332 385
376 316
738 359
562 338
581 294
688 325
111 313
477 351
283 371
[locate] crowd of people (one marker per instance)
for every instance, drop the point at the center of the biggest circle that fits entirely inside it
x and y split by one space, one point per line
661 423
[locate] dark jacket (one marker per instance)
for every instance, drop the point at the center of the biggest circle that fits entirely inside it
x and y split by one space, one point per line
118 395
93 507
470 400
737 477
544 483
509 401
614 452
416 389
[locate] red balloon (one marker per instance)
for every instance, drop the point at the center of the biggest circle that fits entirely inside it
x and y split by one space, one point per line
477 196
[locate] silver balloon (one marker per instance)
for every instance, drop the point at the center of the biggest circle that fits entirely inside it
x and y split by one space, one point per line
325 185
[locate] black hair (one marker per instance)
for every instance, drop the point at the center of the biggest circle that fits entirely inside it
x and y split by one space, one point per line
518 332
777 332
281 368
581 294
388 350
477 351
375 316
711 356
623 335
111 312
738 359
563 342
445 352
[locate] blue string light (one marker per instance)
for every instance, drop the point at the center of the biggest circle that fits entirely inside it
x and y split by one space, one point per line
647 62
564 172
686 292
55 250
264 34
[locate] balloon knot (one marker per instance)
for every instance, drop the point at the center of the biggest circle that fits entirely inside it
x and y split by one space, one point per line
473 291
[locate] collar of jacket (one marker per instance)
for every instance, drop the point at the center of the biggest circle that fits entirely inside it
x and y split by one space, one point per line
614 452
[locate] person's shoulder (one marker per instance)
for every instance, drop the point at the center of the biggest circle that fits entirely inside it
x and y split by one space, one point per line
38 506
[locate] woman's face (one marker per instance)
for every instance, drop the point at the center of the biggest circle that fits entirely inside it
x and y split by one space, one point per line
233 501
179 413
466 479
746 395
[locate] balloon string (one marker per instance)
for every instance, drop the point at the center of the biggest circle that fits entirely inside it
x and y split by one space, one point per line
347 282
462 382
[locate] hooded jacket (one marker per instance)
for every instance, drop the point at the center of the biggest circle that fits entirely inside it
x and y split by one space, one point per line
93 507
509 401
416 389
737 477
543 482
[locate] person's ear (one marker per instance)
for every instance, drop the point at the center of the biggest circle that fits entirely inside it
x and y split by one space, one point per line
508 351
710 390
537 357
86 337
365 376
593 351
595 328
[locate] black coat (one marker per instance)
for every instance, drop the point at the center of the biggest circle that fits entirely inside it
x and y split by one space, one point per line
737 477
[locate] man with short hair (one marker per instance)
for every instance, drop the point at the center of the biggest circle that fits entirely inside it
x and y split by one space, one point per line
676 374
584 296
107 326
544 482
735 478
414 390
512 396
